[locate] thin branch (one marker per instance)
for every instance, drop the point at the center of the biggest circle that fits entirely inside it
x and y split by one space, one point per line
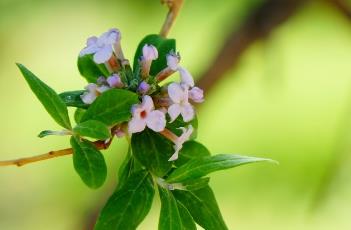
174 8
259 24
342 6
52 154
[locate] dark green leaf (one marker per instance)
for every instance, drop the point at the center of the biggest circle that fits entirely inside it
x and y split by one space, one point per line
51 132
153 151
112 107
191 150
169 215
93 129
78 114
203 207
88 162
90 70
164 47
72 99
187 220
128 206
200 167
48 97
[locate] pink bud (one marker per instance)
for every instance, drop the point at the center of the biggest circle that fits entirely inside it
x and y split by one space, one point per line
115 81
143 87
196 94
150 52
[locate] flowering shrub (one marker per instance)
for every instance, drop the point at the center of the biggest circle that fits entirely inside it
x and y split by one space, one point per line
159 121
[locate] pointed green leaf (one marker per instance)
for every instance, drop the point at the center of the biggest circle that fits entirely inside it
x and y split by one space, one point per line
112 107
203 207
200 167
191 150
48 97
153 151
128 206
195 184
169 215
187 220
126 169
164 46
78 114
73 99
90 70
89 163
93 129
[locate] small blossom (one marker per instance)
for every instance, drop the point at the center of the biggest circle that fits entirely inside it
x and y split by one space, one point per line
93 91
144 87
115 81
173 64
178 144
179 96
196 94
145 115
150 52
102 47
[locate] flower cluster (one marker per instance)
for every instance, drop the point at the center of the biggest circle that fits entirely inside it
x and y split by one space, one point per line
159 103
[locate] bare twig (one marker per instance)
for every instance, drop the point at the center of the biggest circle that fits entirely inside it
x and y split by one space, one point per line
174 8
52 154
342 6
258 25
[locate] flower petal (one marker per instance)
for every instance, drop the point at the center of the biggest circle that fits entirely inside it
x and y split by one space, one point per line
187 112
88 97
92 41
156 120
103 55
175 154
147 104
197 95
91 87
186 77
88 50
174 111
172 61
136 125
150 52
176 92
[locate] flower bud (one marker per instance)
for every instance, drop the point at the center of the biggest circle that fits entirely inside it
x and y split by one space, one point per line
144 87
149 52
115 81
173 61
196 94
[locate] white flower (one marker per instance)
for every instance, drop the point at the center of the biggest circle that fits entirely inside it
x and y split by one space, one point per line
102 47
145 115
173 64
150 52
179 96
180 141
196 94
93 91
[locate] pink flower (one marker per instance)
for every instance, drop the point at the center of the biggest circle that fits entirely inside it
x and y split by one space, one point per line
145 115
178 143
93 91
173 64
115 81
150 52
179 96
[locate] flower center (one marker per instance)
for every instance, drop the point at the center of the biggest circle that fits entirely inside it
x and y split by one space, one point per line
143 114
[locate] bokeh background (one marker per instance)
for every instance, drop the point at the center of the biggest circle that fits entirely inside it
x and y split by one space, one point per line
288 97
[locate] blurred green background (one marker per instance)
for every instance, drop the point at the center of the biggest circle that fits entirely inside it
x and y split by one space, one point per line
287 99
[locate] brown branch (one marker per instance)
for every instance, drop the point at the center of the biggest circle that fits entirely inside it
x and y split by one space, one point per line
342 6
259 24
174 8
52 154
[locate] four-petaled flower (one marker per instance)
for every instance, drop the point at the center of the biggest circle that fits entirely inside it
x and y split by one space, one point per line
145 115
178 93
93 91
102 47
178 143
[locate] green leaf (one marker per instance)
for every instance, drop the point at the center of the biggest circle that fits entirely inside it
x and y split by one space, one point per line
187 220
200 167
73 99
90 70
191 150
51 132
48 97
153 151
177 123
195 184
169 215
164 46
89 163
128 206
126 169
93 129
203 207
111 107
78 114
